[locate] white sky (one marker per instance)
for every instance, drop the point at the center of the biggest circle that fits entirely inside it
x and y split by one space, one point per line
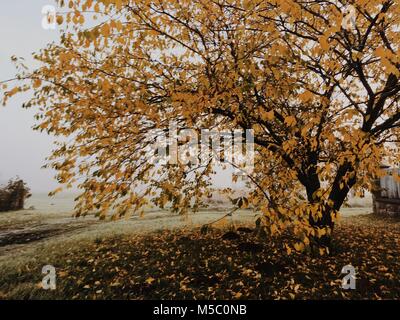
22 150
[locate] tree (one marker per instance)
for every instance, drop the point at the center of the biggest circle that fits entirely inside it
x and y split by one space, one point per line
316 81
13 195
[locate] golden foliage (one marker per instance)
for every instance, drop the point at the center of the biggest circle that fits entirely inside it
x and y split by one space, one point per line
322 100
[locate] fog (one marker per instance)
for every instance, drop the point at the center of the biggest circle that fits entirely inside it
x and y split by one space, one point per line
23 151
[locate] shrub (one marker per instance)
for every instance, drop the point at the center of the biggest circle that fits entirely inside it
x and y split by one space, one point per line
13 195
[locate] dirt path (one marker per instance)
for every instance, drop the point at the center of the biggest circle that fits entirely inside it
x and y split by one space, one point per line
39 232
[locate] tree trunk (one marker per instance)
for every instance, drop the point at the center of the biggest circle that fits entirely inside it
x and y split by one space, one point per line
336 198
325 222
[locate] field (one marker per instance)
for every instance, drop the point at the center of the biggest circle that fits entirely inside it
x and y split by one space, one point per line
165 256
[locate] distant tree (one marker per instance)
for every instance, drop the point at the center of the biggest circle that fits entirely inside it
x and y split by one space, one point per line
13 195
317 81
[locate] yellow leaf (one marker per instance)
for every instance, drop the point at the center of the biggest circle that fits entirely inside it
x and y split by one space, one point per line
37 83
290 121
299 246
323 41
306 96
60 19
268 116
150 280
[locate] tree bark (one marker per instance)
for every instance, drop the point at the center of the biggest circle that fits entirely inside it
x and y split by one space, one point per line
337 196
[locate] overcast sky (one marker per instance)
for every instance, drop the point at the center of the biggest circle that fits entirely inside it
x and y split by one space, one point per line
22 150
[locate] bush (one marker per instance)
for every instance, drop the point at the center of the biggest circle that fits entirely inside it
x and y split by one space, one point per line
13 195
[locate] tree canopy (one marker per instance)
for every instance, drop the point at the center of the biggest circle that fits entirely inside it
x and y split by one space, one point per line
316 81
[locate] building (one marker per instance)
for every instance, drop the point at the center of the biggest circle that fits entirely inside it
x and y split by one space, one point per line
386 193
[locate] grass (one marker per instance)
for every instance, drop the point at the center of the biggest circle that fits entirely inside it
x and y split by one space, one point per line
172 259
